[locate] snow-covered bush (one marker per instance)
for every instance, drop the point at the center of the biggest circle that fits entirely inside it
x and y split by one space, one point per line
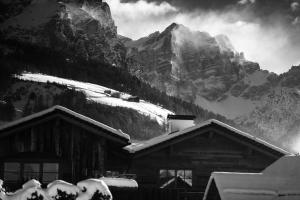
2 191
93 189
61 190
31 190
90 189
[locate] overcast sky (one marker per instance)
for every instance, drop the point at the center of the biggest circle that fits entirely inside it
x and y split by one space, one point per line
267 31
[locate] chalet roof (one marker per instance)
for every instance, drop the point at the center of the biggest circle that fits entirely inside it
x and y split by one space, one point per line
63 110
136 147
280 181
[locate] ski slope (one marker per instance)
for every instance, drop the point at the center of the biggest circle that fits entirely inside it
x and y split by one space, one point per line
97 94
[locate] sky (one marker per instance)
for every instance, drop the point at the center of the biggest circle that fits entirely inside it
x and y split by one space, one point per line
267 31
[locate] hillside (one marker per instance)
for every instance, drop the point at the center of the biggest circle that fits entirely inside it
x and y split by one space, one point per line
184 71
208 71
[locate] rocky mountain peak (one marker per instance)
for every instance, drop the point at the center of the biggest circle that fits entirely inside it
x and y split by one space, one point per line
225 43
84 28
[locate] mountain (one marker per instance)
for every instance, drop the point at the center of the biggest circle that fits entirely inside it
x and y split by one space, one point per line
185 71
83 28
209 72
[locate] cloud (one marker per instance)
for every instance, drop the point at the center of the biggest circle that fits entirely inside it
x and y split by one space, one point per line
295 6
137 19
296 21
243 2
269 45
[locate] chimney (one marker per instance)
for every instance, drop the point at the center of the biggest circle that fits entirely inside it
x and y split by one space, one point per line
179 122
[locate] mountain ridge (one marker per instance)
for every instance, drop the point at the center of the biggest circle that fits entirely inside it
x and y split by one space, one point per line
209 72
82 39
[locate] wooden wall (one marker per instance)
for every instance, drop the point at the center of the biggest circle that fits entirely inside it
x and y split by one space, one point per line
81 154
203 154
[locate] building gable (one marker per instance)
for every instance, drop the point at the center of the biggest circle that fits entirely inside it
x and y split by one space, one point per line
61 113
211 127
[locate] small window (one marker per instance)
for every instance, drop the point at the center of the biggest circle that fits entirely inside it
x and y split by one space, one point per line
31 171
50 172
166 173
12 171
175 178
185 175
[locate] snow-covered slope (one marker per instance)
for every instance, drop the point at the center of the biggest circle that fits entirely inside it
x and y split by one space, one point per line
102 95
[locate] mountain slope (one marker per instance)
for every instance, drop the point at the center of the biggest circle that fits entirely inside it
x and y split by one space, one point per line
104 95
209 72
83 28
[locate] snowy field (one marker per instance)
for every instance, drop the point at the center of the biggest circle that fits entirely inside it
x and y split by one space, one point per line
101 95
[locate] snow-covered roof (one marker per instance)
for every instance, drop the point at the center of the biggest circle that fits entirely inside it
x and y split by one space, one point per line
135 147
280 181
119 182
66 111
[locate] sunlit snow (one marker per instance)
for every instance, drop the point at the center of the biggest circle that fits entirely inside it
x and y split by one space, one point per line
96 93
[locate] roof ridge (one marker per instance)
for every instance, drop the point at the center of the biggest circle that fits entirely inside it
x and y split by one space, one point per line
163 138
66 110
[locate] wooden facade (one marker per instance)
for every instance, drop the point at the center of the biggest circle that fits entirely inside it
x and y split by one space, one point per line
199 151
59 144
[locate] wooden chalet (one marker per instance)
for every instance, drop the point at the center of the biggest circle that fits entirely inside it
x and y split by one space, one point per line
58 143
192 154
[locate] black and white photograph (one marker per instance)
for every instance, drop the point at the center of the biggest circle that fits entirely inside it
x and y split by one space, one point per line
149 99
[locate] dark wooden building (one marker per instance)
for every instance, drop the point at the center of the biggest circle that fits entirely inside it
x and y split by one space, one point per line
185 159
59 144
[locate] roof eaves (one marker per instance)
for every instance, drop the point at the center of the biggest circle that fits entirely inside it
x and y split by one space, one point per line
160 139
94 122
64 110
261 141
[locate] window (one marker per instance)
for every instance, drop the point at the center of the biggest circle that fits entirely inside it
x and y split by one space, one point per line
46 172
31 171
50 172
12 171
166 173
185 175
175 178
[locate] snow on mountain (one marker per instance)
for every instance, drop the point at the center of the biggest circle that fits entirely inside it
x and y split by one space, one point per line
104 95
207 71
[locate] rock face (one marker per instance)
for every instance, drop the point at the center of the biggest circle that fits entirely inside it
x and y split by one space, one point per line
85 28
209 72
188 64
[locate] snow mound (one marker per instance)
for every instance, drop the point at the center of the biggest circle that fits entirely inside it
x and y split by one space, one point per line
119 182
104 95
91 187
30 190
31 183
55 186
85 190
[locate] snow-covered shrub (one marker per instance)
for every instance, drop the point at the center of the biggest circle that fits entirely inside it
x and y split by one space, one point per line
90 189
2 191
31 190
93 189
61 190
